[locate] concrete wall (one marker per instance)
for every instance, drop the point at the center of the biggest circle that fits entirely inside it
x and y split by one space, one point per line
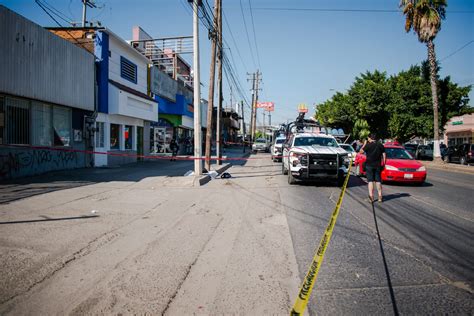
25 161
162 84
39 65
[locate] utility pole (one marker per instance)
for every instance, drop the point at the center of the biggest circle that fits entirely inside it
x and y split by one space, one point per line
253 107
219 85
263 127
210 105
85 4
197 94
254 128
243 123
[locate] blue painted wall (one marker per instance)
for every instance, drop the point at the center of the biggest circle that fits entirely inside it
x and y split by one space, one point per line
180 107
101 51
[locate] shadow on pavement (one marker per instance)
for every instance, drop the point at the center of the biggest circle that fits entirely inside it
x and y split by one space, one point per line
21 188
48 219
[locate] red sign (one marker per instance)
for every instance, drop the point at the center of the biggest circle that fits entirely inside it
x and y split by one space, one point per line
268 106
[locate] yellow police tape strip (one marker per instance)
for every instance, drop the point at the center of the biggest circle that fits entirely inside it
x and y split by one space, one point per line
309 280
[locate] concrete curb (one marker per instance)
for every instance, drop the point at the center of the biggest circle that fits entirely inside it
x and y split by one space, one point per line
449 167
202 180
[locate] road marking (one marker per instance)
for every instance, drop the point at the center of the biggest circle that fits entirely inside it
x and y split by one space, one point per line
309 281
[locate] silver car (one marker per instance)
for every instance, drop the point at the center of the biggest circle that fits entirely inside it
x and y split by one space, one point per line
260 144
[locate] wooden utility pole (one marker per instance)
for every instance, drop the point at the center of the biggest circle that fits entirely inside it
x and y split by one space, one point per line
252 109
254 128
210 105
219 86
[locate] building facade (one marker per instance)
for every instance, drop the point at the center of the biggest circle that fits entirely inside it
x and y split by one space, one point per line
170 85
459 130
46 97
124 109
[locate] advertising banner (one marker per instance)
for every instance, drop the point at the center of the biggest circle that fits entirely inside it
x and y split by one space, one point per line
267 106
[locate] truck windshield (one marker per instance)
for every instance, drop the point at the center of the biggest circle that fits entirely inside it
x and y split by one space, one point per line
315 141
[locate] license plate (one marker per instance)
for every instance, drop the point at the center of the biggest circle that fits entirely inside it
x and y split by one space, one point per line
408 176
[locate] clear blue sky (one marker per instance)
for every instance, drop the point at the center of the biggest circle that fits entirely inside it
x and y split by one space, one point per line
305 55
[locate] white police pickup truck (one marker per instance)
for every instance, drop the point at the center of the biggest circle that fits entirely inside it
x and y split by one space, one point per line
312 156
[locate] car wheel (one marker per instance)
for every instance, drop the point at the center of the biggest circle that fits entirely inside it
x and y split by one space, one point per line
357 171
283 169
462 161
291 179
446 159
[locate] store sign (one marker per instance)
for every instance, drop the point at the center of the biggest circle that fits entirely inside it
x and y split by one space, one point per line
458 123
268 106
302 108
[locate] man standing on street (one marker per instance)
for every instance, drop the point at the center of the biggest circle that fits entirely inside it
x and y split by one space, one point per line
376 158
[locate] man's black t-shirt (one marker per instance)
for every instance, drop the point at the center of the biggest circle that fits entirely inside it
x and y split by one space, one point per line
374 151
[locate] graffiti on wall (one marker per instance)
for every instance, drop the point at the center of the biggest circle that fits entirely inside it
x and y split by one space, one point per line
13 162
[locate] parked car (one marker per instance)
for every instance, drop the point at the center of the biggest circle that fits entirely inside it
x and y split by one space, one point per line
463 154
260 144
411 148
312 156
351 153
424 152
400 166
277 149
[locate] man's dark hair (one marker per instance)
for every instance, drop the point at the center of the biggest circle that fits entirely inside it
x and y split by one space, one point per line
373 136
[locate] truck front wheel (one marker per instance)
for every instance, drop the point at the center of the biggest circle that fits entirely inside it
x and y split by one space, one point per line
291 179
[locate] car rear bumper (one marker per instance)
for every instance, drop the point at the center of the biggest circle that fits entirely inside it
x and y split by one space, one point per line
401 176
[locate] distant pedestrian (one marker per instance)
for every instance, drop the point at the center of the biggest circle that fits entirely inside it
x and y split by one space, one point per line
374 163
174 149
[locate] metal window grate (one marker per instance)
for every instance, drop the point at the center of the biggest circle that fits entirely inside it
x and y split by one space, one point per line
128 70
17 121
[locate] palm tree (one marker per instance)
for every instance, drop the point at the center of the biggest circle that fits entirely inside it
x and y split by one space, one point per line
424 17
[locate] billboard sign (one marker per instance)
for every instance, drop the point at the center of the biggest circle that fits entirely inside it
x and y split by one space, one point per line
267 106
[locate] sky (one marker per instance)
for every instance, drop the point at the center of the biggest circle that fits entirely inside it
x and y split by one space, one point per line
306 50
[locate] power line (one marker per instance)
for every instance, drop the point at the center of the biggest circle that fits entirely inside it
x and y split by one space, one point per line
233 40
342 10
49 9
247 32
458 50
254 35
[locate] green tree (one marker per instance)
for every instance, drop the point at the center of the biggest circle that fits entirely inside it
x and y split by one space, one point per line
424 17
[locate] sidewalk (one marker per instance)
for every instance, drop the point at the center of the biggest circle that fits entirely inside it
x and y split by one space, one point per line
449 167
163 172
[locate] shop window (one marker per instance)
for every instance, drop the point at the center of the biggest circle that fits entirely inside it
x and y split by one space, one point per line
99 135
128 70
61 126
114 136
16 121
128 137
41 124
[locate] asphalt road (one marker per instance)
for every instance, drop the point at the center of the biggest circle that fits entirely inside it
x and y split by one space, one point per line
411 254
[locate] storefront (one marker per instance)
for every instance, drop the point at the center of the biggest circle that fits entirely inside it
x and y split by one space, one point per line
459 130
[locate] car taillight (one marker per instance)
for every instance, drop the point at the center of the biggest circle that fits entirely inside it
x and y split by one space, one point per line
469 153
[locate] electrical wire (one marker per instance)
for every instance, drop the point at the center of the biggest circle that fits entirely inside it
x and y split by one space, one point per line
247 32
457 51
254 35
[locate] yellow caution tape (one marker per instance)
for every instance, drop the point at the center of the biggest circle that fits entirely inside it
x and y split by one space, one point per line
309 280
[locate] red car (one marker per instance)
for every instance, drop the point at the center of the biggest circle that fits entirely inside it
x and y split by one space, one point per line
400 166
